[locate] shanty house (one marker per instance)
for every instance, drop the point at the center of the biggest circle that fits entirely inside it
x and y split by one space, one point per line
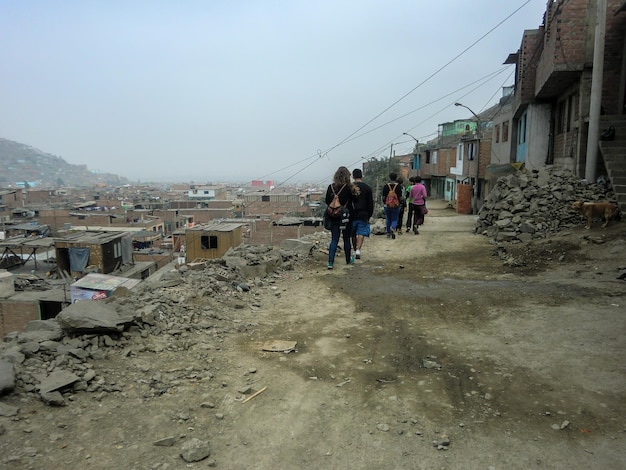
211 241
103 252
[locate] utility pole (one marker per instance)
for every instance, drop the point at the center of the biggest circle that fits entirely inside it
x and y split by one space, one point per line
416 150
478 135
597 74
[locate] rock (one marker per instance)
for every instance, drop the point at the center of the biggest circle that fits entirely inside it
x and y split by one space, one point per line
40 330
52 398
300 247
89 316
195 450
8 410
429 364
7 377
165 442
57 380
524 206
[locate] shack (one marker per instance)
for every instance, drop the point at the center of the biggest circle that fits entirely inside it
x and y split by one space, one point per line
101 252
211 241
96 286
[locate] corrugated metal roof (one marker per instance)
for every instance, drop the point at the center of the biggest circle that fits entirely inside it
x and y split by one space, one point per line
92 237
105 282
216 227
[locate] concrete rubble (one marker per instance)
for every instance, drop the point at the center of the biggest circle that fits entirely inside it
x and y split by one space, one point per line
53 359
531 205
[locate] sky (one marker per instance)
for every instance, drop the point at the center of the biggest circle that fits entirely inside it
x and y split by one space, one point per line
235 90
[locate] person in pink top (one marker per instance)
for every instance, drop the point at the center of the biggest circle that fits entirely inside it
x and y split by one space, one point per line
418 199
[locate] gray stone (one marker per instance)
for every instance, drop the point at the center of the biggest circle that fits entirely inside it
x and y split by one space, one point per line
14 355
8 410
52 398
165 442
57 380
195 450
7 376
93 316
301 247
40 331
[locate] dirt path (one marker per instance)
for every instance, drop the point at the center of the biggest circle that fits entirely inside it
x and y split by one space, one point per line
428 338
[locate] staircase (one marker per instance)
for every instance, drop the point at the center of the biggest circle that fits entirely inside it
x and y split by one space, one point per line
614 155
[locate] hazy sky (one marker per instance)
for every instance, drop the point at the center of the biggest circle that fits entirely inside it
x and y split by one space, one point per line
216 90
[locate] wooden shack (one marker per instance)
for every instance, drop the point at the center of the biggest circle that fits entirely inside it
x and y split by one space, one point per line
102 252
212 241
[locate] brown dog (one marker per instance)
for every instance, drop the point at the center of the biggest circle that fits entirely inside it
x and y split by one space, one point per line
605 209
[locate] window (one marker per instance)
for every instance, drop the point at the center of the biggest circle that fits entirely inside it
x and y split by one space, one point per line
497 132
208 242
471 150
265 199
434 157
427 153
505 131
459 153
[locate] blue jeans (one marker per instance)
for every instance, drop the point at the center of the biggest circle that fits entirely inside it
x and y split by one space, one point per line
392 218
335 231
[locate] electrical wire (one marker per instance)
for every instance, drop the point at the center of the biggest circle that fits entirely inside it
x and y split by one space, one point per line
325 153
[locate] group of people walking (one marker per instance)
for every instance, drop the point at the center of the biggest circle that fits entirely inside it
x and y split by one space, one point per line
356 201
396 198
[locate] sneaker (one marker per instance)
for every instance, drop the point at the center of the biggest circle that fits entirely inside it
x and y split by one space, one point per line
330 265
351 260
408 229
393 235
357 254
388 235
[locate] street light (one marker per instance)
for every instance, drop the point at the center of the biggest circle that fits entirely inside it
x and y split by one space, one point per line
416 141
416 152
475 198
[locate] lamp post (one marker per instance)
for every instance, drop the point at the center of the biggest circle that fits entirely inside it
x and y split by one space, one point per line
416 141
475 196
416 152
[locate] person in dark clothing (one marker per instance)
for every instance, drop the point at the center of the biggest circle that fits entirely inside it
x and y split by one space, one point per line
344 189
361 213
391 213
400 181
409 204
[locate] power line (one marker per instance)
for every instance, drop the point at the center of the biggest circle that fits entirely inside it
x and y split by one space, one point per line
349 138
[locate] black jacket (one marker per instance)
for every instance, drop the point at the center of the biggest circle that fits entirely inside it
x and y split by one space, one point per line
363 204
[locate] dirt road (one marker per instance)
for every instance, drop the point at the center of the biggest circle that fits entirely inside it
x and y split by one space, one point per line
429 353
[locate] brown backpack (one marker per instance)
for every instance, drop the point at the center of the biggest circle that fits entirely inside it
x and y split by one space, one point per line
392 200
334 208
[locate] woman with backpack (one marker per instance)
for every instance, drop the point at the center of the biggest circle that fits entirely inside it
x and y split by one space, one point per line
392 195
338 221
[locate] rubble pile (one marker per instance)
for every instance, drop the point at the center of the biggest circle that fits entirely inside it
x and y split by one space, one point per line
172 311
526 206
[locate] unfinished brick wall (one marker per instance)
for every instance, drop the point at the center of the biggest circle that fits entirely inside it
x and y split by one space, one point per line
464 199
15 315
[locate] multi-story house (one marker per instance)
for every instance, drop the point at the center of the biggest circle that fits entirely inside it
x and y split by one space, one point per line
570 83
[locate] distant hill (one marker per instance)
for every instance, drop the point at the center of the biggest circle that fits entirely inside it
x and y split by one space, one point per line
20 163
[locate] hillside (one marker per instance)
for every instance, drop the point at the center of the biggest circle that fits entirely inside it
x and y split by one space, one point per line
21 163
